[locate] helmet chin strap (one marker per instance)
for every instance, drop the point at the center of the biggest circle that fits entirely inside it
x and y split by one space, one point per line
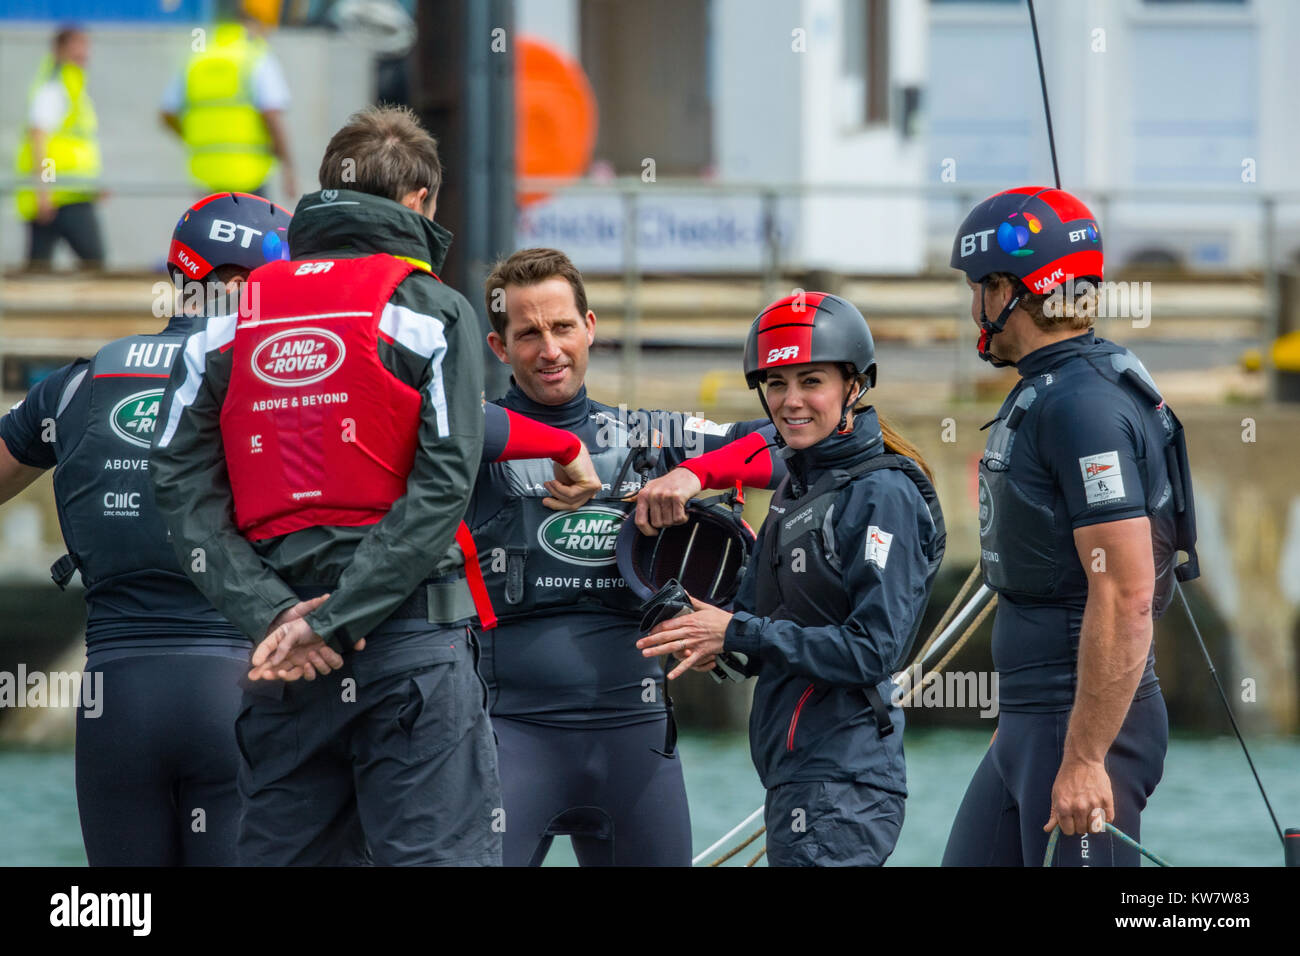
843 426
762 400
989 329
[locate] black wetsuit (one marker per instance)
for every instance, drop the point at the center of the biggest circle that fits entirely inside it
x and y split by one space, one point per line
579 713
156 756
1073 445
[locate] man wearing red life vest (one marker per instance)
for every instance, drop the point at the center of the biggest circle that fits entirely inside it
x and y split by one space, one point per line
324 440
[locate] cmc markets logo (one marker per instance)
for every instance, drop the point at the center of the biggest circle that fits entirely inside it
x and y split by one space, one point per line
298 357
587 536
1013 237
133 418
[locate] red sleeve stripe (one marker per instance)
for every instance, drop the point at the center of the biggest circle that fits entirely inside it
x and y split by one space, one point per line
533 439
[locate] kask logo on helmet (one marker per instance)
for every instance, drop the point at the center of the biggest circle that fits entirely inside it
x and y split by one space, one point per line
133 418
298 357
588 536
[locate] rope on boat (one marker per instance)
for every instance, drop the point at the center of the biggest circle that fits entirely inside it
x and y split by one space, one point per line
1110 828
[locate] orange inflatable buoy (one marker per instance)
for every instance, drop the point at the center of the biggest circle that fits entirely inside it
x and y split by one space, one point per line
555 116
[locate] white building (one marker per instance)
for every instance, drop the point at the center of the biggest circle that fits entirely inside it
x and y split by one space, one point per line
1147 96
782 92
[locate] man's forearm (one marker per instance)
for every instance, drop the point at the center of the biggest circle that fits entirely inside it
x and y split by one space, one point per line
1114 642
39 140
279 139
14 475
404 547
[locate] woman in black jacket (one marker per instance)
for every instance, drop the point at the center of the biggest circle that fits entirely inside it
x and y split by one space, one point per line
833 597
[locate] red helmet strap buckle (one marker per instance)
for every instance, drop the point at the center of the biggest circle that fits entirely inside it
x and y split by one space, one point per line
989 329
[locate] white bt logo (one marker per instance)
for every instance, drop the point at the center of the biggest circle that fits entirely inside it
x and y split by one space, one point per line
224 231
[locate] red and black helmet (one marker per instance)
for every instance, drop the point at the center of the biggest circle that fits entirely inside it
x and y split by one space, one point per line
1042 236
809 327
237 229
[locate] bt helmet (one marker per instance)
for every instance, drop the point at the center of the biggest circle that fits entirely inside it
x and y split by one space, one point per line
237 229
1044 237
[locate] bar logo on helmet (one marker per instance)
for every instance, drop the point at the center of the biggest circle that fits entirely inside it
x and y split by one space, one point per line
588 536
782 353
133 418
298 357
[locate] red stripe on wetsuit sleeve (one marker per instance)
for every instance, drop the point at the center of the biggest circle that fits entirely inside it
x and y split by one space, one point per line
532 439
725 466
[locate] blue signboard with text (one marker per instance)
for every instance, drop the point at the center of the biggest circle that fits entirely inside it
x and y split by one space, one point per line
108 11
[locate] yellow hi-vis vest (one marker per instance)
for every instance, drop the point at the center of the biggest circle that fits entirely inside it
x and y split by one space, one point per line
228 142
71 164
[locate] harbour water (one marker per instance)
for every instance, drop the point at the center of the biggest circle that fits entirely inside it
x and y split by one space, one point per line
1206 811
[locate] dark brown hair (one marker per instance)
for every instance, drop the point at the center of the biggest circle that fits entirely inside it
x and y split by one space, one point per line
529 267
64 36
384 151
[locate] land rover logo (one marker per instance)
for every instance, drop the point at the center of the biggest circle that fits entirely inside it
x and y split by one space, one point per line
586 536
298 357
132 419
986 507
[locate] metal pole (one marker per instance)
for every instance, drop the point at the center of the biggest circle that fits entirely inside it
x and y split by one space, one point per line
966 361
4 204
488 175
771 248
631 298
1272 295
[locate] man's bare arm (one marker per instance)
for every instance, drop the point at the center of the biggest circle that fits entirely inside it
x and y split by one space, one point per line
14 475
1114 640
274 120
1115 636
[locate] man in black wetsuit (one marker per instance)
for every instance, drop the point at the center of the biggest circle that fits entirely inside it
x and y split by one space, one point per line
156 769
1084 502
585 739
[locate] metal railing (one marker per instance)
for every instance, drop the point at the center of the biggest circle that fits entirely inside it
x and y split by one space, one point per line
1251 208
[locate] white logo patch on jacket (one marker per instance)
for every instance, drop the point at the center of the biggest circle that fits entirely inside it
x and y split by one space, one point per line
1102 478
878 543
697 424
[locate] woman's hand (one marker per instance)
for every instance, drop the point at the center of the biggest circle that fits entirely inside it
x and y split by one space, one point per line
694 639
662 501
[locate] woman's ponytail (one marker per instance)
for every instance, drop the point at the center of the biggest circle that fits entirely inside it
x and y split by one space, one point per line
898 445
894 442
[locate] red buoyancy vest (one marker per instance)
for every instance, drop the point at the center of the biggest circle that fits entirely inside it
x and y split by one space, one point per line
316 430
